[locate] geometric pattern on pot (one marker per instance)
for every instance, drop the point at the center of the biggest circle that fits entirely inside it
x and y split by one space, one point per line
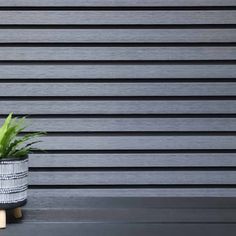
13 182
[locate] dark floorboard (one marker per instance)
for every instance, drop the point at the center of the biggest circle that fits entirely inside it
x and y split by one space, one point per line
101 229
126 216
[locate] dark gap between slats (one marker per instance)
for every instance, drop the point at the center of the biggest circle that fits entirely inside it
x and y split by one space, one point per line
112 26
116 98
121 62
138 186
118 62
133 151
116 8
106 152
136 133
117 80
131 116
120 169
117 44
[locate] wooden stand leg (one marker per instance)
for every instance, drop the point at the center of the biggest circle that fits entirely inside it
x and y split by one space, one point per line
17 213
2 219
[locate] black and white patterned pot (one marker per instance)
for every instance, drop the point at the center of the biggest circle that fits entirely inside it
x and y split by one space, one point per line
13 182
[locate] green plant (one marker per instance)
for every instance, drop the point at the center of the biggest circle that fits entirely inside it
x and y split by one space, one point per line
11 144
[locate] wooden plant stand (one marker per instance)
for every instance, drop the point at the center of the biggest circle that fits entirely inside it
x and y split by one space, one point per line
17 213
2 219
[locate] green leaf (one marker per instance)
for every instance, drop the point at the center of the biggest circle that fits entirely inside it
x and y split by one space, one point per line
11 144
4 127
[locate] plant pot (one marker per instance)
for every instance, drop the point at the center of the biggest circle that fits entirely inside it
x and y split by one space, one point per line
13 182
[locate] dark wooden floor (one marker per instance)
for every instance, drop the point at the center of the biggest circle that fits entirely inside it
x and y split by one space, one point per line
126 216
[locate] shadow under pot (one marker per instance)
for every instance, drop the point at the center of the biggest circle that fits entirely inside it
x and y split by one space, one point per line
13 186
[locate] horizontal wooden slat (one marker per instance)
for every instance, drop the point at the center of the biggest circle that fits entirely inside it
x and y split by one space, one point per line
116 35
137 142
117 89
116 17
134 124
133 192
133 160
116 53
107 3
118 107
131 177
116 71
130 124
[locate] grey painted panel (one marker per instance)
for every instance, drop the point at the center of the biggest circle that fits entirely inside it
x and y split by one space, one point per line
116 53
131 124
131 177
140 142
117 35
118 107
133 160
117 17
107 3
134 192
117 89
116 71
119 70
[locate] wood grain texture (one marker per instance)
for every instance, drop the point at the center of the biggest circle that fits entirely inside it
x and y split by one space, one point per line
116 53
138 142
115 145
117 35
116 89
117 17
130 124
107 3
119 107
133 160
117 71
132 177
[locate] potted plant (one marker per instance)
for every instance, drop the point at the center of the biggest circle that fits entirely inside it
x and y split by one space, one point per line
14 150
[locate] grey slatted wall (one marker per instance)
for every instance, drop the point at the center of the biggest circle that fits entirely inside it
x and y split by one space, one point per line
138 97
